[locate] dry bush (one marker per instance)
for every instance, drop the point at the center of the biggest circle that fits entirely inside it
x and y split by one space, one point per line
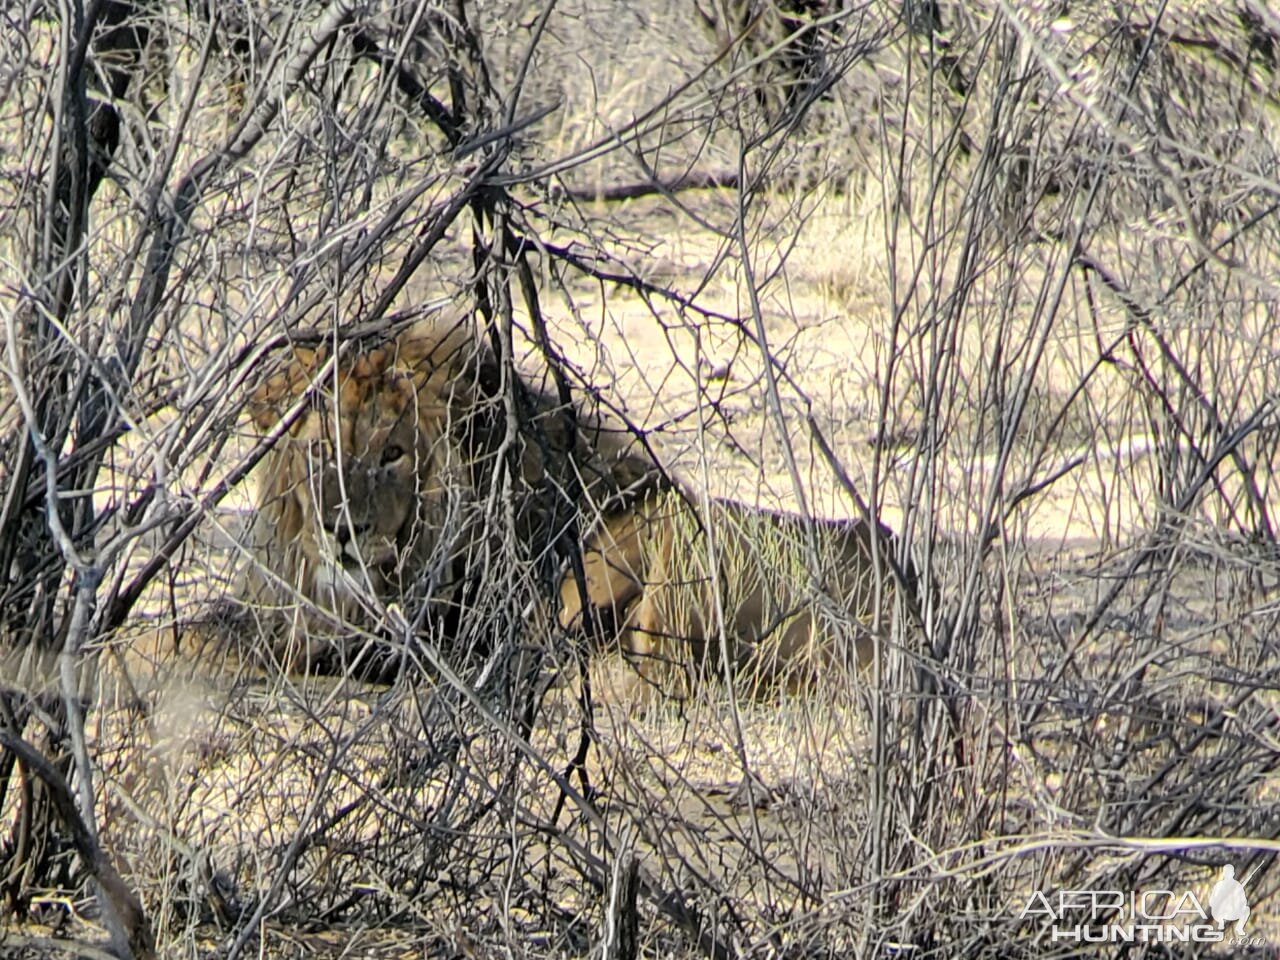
998 274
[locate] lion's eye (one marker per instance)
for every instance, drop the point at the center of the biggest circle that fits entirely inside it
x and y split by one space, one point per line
392 453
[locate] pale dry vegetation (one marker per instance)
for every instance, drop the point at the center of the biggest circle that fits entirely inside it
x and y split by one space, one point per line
999 274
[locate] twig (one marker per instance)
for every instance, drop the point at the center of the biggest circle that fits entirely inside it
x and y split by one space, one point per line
126 920
696 180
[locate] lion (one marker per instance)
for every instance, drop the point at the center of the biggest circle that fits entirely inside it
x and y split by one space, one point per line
791 597
402 479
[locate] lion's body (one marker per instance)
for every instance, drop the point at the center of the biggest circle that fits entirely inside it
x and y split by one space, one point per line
790 597
421 473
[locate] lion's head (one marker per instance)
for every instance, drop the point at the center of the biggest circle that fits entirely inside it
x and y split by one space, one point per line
366 491
402 478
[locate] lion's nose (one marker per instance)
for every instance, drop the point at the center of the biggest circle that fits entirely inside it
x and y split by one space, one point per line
346 531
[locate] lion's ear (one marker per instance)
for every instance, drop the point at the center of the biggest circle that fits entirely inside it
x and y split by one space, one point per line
437 345
268 403
442 357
